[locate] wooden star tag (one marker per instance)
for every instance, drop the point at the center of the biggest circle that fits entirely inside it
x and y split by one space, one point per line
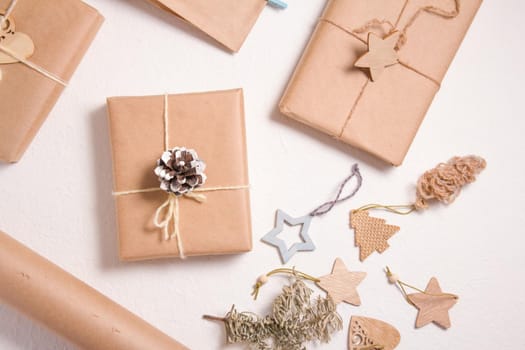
381 54
433 305
371 234
341 284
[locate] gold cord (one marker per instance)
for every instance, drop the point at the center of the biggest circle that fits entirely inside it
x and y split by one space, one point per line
263 279
402 285
401 209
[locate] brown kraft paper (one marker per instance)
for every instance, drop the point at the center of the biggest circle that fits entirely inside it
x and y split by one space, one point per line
227 21
328 93
62 31
51 296
212 124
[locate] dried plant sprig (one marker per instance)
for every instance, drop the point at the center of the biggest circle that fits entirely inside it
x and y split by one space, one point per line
296 319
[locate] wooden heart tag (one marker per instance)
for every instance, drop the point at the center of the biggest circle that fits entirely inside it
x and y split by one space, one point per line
19 44
371 334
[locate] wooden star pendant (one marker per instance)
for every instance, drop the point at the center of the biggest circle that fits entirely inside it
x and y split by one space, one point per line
381 54
433 307
341 284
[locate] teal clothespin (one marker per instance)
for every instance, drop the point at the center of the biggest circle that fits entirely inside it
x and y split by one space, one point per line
278 4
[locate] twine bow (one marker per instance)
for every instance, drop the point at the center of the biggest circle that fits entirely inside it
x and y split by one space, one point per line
23 60
172 215
167 215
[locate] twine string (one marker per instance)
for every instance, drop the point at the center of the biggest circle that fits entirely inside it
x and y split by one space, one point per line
375 22
21 59
166 125
167 215
403 287
431 10
326 207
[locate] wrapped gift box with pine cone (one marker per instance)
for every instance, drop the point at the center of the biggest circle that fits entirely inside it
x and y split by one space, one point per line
180 174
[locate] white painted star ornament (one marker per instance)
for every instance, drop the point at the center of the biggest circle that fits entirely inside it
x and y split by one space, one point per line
306 243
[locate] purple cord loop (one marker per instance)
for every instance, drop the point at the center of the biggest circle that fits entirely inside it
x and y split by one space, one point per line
326 207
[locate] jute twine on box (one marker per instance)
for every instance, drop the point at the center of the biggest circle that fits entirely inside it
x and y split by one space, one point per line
402 41
21 59
167 215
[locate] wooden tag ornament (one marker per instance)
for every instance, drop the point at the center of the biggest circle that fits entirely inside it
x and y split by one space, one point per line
432 303
381 54
19 43
371 334
306 244
371 234
341 284
442 184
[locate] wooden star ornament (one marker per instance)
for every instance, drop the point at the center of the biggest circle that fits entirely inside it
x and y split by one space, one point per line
341 284
381 54
433 305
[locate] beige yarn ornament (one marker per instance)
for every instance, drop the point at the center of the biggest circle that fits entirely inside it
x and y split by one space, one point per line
440 184
445 181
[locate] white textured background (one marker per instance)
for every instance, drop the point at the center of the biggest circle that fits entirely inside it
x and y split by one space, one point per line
58 201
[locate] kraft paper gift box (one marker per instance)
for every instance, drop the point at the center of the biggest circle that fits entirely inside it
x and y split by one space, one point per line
328 93
227 21
212 124
61 32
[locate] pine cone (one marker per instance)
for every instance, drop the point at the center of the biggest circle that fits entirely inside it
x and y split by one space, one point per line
180 171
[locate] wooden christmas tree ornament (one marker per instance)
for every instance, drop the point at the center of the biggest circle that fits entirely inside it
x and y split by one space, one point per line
432 304
371 334
371 234
442 184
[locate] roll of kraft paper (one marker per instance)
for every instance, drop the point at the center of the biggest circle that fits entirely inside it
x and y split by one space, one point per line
47 294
